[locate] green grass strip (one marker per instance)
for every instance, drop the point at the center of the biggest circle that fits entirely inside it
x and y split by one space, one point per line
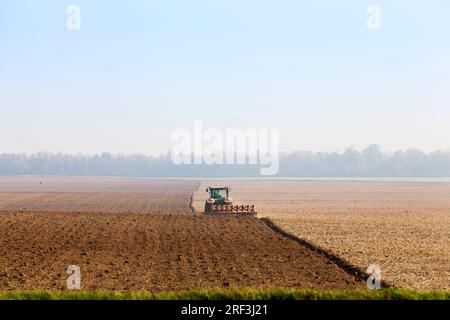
232 294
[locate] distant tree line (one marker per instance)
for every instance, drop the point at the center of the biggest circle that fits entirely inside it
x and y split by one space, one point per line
370 162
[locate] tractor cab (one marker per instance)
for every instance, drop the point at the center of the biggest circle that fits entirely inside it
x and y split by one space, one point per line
219 196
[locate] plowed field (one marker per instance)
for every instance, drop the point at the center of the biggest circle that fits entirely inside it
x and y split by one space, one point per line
101 195
141 235
136 251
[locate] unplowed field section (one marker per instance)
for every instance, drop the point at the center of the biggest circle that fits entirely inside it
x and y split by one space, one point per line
56 194
137 251
404 227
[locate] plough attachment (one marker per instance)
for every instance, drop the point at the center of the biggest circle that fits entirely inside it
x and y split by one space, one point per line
232 209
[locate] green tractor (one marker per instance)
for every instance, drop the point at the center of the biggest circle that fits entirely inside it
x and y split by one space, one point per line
220 202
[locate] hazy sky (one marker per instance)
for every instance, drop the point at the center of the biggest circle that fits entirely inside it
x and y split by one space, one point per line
139 69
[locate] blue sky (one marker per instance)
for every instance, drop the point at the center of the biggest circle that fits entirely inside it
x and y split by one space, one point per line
137 70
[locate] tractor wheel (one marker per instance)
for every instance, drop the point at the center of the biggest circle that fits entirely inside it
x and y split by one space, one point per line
208 207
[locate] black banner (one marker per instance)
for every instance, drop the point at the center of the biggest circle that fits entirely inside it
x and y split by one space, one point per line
221 309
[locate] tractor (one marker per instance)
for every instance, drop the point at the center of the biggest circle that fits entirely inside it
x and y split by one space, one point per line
219 202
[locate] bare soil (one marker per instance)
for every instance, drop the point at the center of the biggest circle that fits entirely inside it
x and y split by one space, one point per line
136 251
141 235
100 195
